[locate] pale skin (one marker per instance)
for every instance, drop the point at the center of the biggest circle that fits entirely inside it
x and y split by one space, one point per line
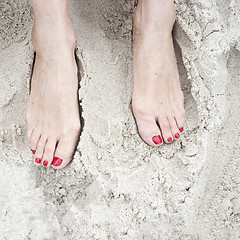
52 116
158 101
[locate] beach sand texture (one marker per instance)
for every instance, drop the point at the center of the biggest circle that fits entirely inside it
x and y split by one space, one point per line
117 187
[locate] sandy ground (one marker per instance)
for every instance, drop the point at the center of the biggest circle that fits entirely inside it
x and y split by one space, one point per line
117 187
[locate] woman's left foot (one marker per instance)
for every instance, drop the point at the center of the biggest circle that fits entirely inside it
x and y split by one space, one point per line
158 101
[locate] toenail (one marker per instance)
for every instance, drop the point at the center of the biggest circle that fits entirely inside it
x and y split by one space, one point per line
45 163
157 139
57 161
181 129
169 139
38 160
33 151
177 135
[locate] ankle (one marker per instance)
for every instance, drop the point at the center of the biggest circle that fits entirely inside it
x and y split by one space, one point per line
52 39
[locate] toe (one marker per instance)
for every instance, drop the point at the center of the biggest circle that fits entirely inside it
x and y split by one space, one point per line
179 115
49 152
35 136
29 133
174 128
64 152
40 149
149 131
165 129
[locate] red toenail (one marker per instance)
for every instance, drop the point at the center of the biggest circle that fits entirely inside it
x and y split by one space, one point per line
38 160
177 135
57 162
169 139
157 139
181 129
33 151
45 163
160 139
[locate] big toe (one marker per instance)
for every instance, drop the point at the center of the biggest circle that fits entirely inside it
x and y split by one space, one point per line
149 131
64 152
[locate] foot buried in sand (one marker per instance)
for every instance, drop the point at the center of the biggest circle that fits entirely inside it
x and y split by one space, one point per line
52 116
158 101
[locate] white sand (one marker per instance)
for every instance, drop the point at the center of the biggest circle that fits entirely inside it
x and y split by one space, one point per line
117 187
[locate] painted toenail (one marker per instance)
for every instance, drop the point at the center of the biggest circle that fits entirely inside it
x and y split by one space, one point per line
177 135
33 151
45 163
161 141
169 139
57 162
38 160
181 129
157 139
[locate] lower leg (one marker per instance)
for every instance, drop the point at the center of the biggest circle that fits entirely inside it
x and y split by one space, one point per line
52 29
52 115
158 103
155 15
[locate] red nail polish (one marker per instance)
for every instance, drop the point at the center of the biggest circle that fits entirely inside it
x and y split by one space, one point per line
157 139
177 135
169 139
181 129
161 141
33 151
45 163
57 162
38 160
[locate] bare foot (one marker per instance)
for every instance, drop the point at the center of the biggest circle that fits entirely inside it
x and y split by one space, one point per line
52 116
158 101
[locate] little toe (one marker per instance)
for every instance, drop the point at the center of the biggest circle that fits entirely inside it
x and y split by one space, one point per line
149 131
165 129
29 133
174 128
49 152
35 136
180 119
40 149
64 152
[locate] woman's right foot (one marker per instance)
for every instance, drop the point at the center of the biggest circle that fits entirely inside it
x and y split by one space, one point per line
52 116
